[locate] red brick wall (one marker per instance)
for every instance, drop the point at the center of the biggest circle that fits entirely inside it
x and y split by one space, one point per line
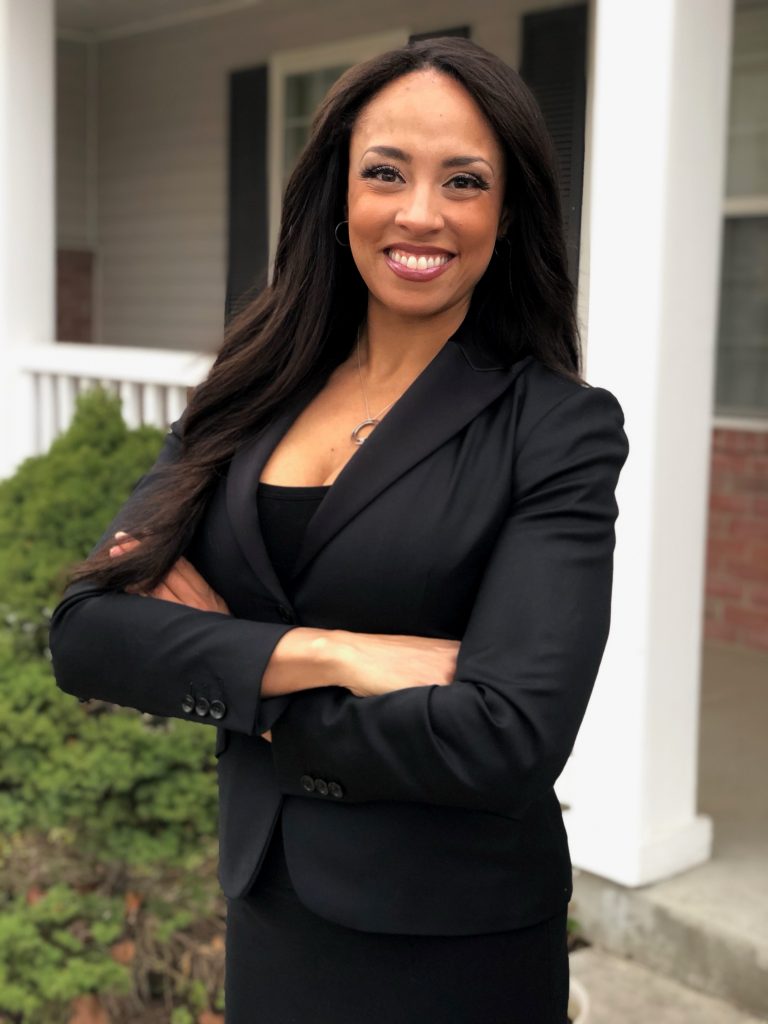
737 551
74 295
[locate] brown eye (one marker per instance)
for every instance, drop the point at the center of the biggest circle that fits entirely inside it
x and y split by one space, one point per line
468 181
383 172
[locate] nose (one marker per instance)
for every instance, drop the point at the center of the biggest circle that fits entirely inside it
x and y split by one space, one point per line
420 211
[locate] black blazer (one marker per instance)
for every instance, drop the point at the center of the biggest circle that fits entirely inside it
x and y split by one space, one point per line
481 509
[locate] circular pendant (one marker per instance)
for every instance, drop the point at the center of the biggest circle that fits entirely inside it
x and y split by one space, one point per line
356 432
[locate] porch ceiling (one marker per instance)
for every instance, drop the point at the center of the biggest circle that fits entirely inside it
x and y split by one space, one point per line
102 19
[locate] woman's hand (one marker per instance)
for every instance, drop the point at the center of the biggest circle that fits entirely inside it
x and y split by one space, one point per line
182 584
371 664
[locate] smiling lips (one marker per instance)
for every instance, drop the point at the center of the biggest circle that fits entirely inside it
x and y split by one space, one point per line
417 266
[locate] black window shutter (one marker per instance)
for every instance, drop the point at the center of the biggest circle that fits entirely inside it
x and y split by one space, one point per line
248 244
553 65
460 30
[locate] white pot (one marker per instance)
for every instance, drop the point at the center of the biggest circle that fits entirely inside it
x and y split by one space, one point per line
578 1002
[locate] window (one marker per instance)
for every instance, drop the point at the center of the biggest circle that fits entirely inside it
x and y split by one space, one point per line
742 347
303 92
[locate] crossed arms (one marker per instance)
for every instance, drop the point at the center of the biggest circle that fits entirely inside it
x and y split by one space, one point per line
494 736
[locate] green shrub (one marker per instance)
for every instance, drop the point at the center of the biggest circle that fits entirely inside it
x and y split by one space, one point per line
54 949
100 807
56 506
132 787
124 786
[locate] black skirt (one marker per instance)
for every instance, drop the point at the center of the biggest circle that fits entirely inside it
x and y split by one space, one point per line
287 965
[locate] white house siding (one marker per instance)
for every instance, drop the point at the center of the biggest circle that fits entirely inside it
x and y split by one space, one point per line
71 145
162 149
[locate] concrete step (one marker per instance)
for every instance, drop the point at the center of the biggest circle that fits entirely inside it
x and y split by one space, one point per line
705 928
624 992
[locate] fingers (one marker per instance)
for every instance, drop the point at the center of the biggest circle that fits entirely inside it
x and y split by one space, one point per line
194 589
165 593
162 592
125 545
175 587
191 577
182 584
182 589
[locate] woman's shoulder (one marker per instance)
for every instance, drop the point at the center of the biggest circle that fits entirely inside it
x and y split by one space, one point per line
541 387
545 395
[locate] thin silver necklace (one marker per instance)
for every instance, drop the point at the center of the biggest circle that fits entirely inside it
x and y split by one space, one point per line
370 421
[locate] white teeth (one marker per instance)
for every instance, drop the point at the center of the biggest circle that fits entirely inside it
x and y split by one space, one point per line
417 262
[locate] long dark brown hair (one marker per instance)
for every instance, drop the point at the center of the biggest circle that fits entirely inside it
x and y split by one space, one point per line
304 323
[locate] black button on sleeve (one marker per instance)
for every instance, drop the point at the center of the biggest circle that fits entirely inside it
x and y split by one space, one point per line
321 786
202 706
218 709
336 790
188 704
308 783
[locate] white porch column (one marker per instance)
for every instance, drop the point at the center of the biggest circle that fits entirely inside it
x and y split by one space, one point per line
659 78
27 230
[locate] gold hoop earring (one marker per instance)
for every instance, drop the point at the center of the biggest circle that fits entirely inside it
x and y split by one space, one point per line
345 245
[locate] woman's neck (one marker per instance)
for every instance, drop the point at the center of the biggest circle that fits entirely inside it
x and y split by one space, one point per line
395 346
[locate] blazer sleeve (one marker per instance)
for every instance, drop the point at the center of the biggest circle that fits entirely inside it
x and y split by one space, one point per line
498 736
155 655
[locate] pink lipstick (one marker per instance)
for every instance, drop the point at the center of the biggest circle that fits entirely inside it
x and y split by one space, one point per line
418 263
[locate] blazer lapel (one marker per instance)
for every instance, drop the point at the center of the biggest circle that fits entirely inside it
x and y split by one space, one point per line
450 392
458 383
243 480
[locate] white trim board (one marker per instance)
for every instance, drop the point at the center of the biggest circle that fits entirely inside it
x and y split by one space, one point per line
156 23
746 206
751 424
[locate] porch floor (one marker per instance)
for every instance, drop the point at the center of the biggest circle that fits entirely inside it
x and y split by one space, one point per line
623 992
707 927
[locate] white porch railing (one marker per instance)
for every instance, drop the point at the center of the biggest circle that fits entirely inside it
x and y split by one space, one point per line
152 383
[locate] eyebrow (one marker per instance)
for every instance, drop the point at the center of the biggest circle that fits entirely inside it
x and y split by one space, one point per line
398 154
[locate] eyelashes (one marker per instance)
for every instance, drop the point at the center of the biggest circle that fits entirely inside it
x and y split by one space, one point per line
374 172
466 180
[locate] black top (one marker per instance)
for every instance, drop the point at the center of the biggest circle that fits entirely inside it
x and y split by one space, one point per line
284 513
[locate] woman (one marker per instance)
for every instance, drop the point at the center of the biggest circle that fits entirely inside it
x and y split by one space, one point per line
376 552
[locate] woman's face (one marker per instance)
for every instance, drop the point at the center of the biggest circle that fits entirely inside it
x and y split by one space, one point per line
425 194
